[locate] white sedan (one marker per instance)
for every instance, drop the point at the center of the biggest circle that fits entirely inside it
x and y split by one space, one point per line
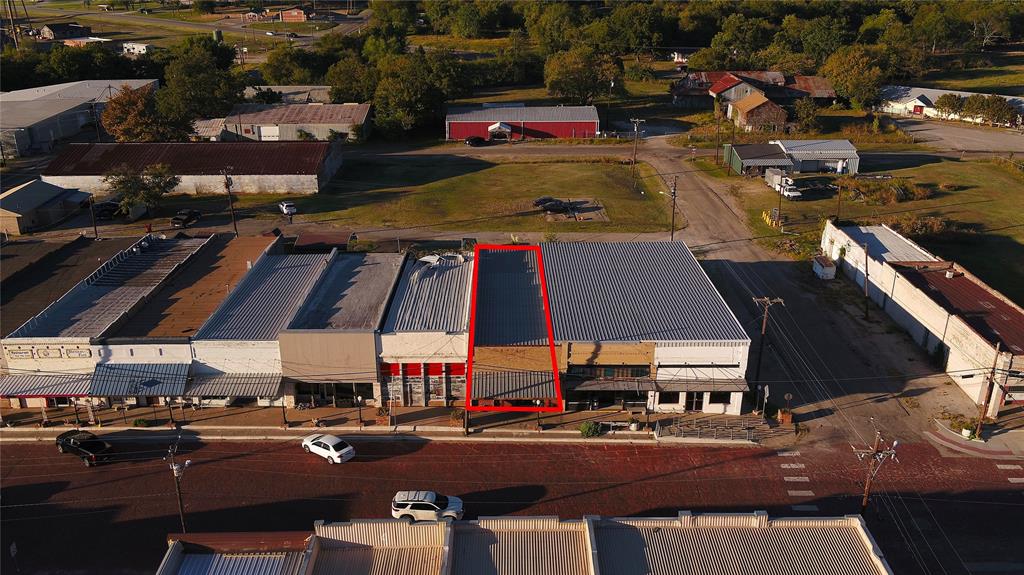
331 448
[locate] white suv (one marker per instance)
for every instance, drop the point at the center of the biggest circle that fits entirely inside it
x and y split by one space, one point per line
287 208
331 448
425 506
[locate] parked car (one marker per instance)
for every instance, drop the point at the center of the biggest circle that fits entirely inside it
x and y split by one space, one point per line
85 445
475 141
293 35
790 193
425 506
543 200
287 208
331 448
105 210
270 33
185 217
145 11
557 207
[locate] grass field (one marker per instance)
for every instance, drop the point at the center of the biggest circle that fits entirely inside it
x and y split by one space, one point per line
987 204
483 45
1005 75
473 195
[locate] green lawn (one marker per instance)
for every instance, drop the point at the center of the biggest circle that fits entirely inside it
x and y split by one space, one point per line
986 202
485 45
1005 75
471 195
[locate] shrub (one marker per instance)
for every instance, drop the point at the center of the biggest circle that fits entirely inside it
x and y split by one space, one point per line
139 422
458 416
639 73
305 136
917 226
383 411
948 187
590 429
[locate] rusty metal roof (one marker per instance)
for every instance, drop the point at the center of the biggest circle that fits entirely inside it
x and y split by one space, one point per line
752 101
193 158
724 83
315 113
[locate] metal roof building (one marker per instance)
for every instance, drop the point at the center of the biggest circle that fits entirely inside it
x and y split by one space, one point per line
513 385
295 94
642 291
522 122
748 158
276 553
352 294
509 302
432 295
839 156
266 299
695 544
37 204
886 245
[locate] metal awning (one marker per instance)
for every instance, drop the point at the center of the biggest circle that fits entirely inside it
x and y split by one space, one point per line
235 385
499 127
513 385
139 379
647 384
43 385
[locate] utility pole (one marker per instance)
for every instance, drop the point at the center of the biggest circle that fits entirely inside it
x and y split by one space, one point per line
92 213
983 409
876 456
839 206
226 172
672 234
177 469
867 298
636 141
765 302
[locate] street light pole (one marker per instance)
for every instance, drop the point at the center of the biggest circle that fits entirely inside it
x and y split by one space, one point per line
537 402
636 141
226 172
359 405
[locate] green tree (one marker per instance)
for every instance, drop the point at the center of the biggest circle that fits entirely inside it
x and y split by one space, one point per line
638 26
998 111
467 22
439 14
447 73
196 87
949 105
874 25
552 29
146 188
223 56
823 36
289 66
933 27
131 116
393 15
806 115
22 69
351 80
405 96
204 6
974 106
855 74
579 75
380 45
740 38
266 96
516 57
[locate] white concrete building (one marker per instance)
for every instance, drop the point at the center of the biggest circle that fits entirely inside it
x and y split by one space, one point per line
917 102
944 308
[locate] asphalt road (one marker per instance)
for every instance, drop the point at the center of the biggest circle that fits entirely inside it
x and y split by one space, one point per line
955 512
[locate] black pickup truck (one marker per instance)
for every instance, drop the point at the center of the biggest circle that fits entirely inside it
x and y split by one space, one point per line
85 445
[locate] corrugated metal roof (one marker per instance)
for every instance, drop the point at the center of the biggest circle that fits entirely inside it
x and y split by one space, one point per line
85 90
751 101
513 384
235 385
380 547
887 245
509 300
295 94
95 303
771 154
724 83
298 114
525 114
538 546
817 149
45 385
647 384
791 547
907 93
29 196
240 564
432 297
193 158
266 299
352 293
139 379
637 291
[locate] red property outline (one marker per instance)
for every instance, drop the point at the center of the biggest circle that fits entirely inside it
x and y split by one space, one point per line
472 332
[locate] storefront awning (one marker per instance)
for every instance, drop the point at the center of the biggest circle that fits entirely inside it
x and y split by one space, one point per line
513 385
235 385
647 384
43 385
139 379
500 127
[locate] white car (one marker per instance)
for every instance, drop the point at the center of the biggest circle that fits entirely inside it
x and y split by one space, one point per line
790 193
331 448
287 208
425 506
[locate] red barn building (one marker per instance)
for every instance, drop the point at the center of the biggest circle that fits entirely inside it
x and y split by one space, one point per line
521 123
294 14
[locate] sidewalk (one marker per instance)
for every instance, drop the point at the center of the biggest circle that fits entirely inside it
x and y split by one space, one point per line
1009 446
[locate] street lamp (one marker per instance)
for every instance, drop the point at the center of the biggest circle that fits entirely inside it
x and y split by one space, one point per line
359 405
538 402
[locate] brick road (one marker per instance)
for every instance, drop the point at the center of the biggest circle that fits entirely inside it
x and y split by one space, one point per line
955 511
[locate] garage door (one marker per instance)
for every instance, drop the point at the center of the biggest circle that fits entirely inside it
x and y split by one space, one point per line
270 133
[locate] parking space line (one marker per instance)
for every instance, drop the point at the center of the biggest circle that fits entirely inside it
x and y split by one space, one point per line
797 479
800 493
792 466
804 507
1004 466
788 453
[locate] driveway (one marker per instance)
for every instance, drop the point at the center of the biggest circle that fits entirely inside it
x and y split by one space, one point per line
957 137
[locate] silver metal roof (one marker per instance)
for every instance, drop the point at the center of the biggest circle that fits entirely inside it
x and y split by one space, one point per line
817 149
45 385
637 291
85 90
263 303
537 545
23 199
432 296
509 301
887 245
235 385
94 304
513 385
139 379
908 93
525 114
352 293
283 563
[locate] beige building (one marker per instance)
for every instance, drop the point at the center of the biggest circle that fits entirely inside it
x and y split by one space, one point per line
36 205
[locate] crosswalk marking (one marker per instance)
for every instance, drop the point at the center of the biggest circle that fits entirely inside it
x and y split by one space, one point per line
797 479
1005 466
788 453
800 493
792 466
1016 479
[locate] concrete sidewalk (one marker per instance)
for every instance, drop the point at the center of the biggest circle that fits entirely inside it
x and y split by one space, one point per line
1008 446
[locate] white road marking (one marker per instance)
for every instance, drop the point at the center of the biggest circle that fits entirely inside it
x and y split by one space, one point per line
800 493
792 466
804 507
1016 479
1008 466
788 453
797 479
